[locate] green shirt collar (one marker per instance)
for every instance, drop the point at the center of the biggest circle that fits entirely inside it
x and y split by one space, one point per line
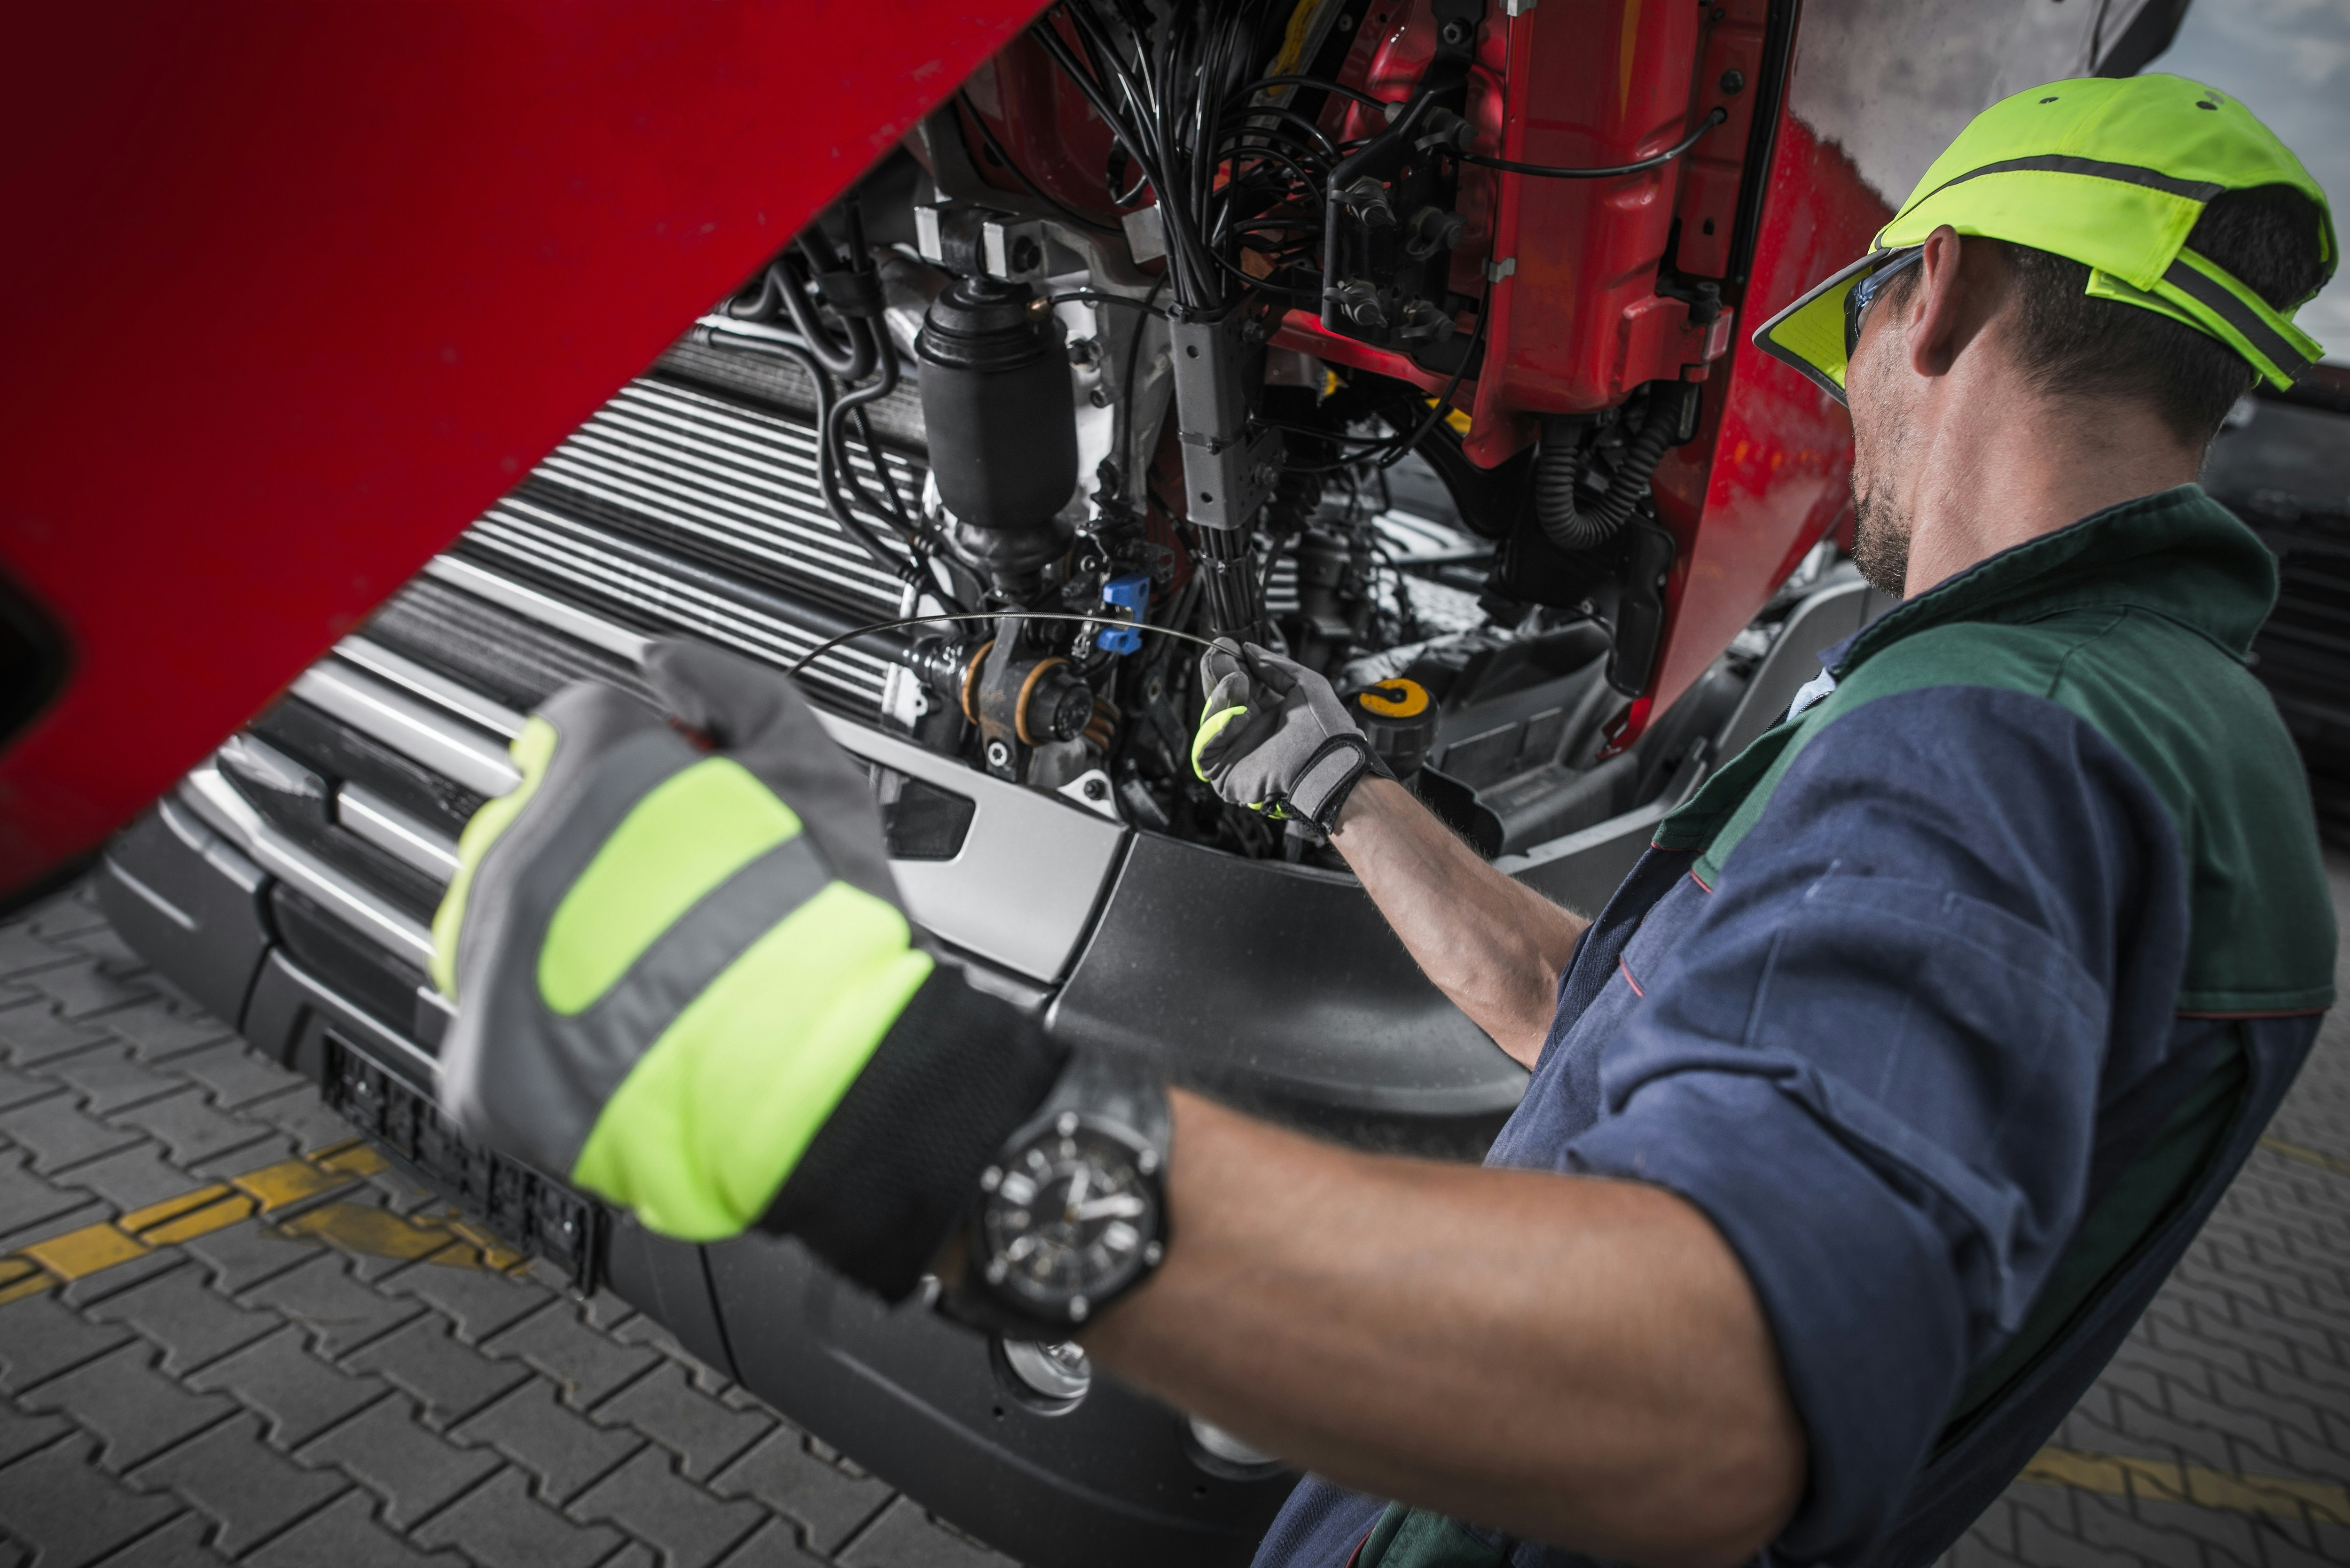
2178 553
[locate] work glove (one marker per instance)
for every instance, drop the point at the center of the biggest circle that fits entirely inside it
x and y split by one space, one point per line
685 982
1274 736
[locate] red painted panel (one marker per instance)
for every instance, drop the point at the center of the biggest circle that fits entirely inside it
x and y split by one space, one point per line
291 292
1711 170
1590 83
1053 135
1771 473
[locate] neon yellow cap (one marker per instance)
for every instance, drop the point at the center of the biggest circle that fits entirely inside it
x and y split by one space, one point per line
2112 172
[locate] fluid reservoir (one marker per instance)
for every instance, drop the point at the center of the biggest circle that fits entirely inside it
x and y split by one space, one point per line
1002 421
1399 720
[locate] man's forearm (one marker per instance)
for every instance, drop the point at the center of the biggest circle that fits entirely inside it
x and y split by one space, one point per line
1492 944
1579 1361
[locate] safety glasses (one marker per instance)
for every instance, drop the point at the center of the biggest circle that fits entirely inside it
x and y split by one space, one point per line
1862 295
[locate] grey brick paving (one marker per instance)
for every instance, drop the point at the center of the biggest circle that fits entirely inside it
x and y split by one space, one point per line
386 1449
704 1434
501 1525
563 1452
273 1399
180 1543
447 1377
320 1295
60 1135
73 1511
250 1396
192 1323
827 1503
585 1362
26 1202
230 1477
135 1411
34 1033
906 1537
297 1394
346 1534
656 1504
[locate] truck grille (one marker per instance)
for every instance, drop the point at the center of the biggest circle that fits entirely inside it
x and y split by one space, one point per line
730 486
673 509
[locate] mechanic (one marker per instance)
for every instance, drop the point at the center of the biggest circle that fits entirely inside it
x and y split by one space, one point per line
1863 1121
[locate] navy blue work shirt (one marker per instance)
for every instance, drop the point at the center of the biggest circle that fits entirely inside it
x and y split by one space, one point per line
1893 1062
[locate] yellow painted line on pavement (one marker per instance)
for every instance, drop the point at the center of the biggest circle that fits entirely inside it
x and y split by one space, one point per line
21 1277
288 1181
191 1214
2160 1480
353 1156
78 1254
354 1227
2306 1156
379 1233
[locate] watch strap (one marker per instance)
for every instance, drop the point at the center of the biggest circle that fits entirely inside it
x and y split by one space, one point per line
1098 1085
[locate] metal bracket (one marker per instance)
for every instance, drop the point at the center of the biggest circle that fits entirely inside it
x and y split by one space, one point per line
1228 469
1518 7
974 240
1091 790
1495 271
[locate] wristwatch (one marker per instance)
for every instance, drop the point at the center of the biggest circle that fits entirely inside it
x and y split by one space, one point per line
1072 1212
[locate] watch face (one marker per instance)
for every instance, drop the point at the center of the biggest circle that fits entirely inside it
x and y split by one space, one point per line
1071 1219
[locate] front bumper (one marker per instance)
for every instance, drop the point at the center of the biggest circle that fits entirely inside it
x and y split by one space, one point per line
931 1407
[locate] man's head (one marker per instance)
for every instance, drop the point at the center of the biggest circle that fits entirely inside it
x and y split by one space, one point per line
2091 368
2090 273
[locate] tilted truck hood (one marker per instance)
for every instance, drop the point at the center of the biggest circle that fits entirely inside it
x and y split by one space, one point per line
292 293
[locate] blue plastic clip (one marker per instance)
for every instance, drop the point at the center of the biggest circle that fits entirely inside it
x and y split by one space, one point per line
1128 591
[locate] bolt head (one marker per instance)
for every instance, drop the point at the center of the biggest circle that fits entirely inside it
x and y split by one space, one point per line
1734 81
1096 790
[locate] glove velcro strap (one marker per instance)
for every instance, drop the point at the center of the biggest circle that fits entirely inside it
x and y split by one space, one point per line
883 1184
1327 778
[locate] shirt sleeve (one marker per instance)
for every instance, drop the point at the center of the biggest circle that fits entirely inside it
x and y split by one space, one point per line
1876 1060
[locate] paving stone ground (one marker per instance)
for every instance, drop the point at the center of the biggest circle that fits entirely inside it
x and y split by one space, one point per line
310 1363
228 1334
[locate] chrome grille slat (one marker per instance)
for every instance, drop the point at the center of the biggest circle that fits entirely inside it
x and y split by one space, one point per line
785 473
416 730
563 550
858 582
742 479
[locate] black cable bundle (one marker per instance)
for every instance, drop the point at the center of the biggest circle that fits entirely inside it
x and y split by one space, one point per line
860 348
1176 95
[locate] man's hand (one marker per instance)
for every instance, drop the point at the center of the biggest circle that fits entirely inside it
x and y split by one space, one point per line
685 982
1274 736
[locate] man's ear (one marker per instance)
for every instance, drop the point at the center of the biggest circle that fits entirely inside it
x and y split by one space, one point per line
1950 302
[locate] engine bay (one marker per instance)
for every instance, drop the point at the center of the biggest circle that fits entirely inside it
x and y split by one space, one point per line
1185 322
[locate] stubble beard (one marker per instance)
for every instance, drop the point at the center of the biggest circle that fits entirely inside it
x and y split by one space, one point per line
1881 523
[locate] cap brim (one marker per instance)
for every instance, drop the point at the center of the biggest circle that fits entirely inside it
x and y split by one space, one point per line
1809 334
